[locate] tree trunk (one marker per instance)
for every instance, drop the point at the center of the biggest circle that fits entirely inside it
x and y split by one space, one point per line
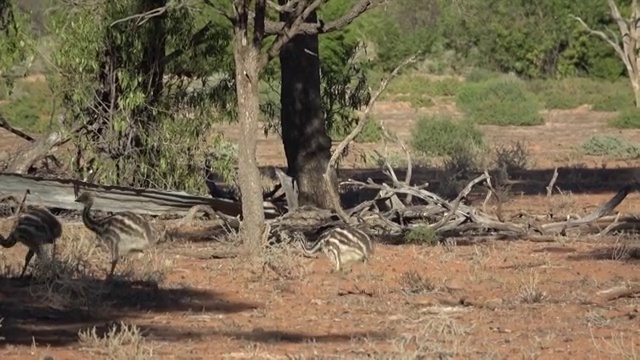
246 58
635 84
306 143
152 70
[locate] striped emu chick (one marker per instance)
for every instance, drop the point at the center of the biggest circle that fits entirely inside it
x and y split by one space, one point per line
122 232
342 244
38 230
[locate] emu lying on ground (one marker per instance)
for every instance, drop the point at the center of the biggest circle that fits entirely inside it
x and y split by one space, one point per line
342 244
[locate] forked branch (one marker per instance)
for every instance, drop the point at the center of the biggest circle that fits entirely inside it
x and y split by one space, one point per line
299 11
352 135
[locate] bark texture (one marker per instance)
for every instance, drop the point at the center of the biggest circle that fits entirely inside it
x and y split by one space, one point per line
247 57
306 143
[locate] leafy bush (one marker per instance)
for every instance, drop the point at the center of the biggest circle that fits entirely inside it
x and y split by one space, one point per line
480 75
609 145
512 157
422 234
30 106
371 132
627 119
570 93
419 90
501 101
441 135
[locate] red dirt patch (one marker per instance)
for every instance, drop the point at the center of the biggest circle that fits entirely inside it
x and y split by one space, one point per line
497 299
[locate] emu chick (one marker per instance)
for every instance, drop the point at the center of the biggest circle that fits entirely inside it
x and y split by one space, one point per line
38 230
123 232
342 244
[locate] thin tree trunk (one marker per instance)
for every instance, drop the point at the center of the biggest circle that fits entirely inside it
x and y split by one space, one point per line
306 143
247 72
635 84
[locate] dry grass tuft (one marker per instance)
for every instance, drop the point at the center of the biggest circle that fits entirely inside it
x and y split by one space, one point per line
529 293
285 261
121 341
412 282
73 280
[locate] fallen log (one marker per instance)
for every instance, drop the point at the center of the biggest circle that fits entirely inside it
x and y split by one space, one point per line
59 193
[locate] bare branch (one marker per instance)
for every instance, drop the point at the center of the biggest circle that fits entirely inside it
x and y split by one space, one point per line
148 15
297 26
461 195
276 28
407 177
288 32
349 138
603 36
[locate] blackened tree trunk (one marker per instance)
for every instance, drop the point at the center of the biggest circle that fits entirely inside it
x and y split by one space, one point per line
306 143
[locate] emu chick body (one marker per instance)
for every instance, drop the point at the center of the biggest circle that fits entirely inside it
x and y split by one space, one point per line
122 232
38 230
343 244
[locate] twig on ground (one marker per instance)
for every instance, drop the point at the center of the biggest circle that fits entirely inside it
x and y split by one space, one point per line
357 291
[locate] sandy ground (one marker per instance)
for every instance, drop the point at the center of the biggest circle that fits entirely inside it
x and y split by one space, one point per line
492 300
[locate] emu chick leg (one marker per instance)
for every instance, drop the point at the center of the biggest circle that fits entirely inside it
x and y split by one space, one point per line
27 260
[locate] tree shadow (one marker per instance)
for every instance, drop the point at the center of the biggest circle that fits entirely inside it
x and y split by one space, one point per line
277 336
578 180
28 317
614 253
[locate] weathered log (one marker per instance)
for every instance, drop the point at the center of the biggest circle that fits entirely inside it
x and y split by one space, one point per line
59 193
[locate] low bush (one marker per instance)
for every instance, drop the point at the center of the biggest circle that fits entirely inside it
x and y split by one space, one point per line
442 135
500 101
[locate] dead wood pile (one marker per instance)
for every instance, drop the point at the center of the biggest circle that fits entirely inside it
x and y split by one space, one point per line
398 208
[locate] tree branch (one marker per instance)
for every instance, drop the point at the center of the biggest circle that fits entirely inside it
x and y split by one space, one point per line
290 6
258 23
349 138
220 11
275 28
284 31
603 36
288 32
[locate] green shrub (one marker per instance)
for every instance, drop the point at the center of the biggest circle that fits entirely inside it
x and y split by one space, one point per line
371 132
609 145
30 106
422 234
481 75
441 135
502 101
570 93
419 90
627 119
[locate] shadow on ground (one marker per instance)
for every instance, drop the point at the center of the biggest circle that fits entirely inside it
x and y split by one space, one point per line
615 253
276 336
526 182
28 318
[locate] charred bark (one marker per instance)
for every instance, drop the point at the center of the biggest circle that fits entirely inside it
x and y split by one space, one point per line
306 143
